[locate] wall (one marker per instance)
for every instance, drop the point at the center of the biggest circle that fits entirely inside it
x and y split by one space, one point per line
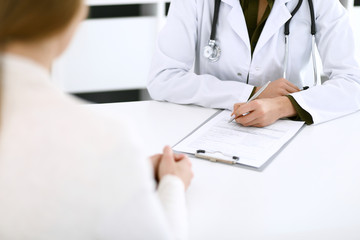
112 50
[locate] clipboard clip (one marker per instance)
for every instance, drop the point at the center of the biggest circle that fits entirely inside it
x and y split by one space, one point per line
202 154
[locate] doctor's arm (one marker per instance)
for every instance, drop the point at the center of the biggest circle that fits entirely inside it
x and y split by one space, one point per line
171 76
340 95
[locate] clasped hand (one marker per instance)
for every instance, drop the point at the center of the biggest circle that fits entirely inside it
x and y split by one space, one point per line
173 164
271 105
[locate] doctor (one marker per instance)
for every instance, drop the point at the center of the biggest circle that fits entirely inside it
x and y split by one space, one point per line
250 39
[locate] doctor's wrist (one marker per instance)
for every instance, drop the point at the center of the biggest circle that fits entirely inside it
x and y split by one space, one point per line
286 107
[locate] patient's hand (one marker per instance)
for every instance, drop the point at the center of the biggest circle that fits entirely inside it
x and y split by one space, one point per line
174 164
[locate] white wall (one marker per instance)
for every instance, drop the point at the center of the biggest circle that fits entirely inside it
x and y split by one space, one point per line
108 54
111 54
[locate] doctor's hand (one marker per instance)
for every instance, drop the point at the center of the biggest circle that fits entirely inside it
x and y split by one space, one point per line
263 112
175 164
278 88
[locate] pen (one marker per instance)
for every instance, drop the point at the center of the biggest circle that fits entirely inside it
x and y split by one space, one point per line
253 97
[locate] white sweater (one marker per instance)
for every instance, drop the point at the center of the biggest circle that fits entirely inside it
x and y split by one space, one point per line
67 173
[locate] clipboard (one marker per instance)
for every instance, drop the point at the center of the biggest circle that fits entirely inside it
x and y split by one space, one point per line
281 132
217 157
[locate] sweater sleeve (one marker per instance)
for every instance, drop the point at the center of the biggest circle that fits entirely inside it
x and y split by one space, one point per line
131 206
171 192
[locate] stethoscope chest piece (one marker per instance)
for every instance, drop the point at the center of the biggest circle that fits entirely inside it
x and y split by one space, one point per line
212 51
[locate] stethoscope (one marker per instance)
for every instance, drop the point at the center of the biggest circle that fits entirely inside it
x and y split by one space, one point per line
212 51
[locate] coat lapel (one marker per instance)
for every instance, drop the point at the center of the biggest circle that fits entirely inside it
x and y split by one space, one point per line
237 22
279 15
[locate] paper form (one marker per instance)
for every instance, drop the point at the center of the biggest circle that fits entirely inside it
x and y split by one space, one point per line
254 146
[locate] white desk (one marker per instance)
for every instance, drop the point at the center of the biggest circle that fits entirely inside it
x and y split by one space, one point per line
311 190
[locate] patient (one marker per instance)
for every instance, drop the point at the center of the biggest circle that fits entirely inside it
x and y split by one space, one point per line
65 172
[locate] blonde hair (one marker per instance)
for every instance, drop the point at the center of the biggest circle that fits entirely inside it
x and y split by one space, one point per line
31 20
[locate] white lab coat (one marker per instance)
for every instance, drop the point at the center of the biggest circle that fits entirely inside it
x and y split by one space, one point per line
182 75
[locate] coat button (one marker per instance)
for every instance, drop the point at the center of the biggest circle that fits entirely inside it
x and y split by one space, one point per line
257 68
239 74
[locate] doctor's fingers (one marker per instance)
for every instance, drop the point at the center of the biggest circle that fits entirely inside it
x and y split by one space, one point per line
282 82
291 85
236 106
261 120
256 119
286 90
246 108
291 88
247 119
261 112
282 86
258 123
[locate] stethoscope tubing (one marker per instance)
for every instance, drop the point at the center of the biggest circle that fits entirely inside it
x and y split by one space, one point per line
215 19
216 49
